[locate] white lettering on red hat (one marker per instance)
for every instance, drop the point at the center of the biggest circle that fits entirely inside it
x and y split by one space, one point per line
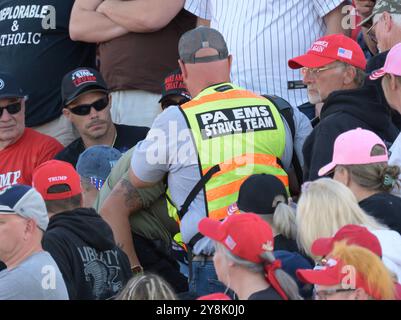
319 46
230 242
344 53
82 76
58 178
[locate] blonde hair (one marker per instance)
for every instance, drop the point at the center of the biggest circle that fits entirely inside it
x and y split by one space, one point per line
284 221
147 287
323 208
369 266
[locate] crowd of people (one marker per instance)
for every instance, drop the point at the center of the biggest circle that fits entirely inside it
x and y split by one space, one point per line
200 149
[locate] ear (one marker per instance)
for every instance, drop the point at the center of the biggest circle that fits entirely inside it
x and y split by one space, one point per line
29 228
183 70
350 73
67 113
388 21
394 84
230 60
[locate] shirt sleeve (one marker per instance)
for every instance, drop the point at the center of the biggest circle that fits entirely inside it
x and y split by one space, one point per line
303 129
150 160
324 7
200 8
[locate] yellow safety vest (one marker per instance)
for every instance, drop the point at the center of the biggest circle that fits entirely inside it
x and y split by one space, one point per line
237 133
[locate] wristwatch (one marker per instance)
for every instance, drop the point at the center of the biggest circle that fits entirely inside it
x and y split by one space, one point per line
137 269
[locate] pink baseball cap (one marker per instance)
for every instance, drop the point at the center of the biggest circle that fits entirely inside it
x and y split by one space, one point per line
355 147
392 64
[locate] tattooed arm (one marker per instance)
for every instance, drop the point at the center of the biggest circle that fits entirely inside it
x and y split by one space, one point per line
116 210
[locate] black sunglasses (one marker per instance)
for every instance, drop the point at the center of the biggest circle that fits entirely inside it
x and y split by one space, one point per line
85 109
11 108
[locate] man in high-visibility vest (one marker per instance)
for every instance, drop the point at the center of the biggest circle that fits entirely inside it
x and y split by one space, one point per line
209 146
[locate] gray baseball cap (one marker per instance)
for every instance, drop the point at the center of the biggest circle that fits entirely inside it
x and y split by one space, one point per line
199 38
96 162
26 202
391 6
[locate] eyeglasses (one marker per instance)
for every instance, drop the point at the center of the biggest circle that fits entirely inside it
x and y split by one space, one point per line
315 71
13 108
85 109
324 294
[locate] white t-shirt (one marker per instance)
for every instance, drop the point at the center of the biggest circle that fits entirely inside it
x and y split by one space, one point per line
262 35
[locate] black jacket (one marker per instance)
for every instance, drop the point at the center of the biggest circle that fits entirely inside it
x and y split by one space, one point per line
345 110
82 245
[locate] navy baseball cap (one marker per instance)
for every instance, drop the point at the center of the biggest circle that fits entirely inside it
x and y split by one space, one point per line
9 87
26 202
80 81
96 162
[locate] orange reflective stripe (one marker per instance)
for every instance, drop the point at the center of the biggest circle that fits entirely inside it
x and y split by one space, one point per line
218 214
233 94
232 187
234 163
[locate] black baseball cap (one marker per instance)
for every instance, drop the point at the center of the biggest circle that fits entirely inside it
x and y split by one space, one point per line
173 84
79 81
257 194
9 87
199 38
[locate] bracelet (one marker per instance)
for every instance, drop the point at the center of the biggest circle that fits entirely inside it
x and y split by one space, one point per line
137 269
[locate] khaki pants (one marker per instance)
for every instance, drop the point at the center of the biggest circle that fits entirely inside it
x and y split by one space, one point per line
135 107
61 129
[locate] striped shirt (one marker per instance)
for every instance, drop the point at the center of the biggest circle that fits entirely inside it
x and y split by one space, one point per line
262 35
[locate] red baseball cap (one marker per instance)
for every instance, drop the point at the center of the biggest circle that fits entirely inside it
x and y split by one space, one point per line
330 48
215 296
55 172
246 235
354 234
333 273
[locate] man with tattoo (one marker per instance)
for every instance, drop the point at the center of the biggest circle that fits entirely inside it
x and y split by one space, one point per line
140 223
79 240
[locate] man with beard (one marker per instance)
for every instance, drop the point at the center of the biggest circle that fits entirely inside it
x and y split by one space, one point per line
86 103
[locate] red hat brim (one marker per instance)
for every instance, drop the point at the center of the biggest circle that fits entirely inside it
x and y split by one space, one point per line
309 61
212 229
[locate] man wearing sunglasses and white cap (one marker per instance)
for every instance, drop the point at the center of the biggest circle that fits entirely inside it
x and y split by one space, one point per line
86 103
21 149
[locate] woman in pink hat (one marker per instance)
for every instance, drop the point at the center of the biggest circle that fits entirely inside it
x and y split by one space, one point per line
360 161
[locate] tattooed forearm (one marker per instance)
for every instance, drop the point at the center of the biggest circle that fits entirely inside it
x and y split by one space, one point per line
131 197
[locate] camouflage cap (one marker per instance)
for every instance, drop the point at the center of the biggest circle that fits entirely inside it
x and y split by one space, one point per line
391 6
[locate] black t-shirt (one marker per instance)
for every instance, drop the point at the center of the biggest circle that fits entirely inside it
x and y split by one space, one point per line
267 294
386 208
127 137
35 47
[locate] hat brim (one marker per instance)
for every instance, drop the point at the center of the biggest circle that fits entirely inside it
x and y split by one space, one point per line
11 96
309 61
377 74
90 87
327 169
211 228
319 277
322 247
176 93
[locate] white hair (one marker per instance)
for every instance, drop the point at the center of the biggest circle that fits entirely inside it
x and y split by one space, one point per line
395 16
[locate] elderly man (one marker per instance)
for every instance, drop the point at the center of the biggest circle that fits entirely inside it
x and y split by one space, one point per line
333 72
211 144
382 23
86 103
31 273
21 149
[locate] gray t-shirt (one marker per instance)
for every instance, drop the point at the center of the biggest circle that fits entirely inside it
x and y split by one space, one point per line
169 148
36 278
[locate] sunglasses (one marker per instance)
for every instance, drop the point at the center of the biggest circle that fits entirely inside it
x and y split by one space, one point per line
11 108
85 109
